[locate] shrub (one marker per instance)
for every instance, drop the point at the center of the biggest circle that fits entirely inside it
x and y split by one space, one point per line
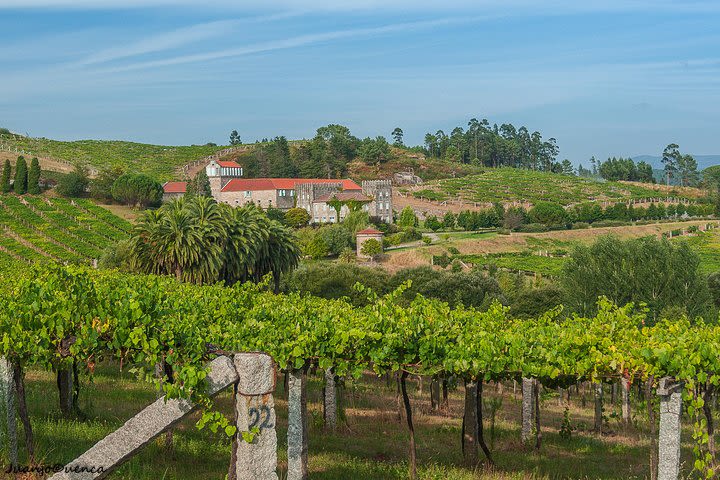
75 183
297 217
580 225
433 223
548 213
441 260
336 280
101 186
453 250
533 228
136 189
371 248
336 237
407 218
426 240
609 223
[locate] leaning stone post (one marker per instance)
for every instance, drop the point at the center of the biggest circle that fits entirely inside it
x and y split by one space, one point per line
8 424
297 425
254 408
110 452
670 393
330 400
527 409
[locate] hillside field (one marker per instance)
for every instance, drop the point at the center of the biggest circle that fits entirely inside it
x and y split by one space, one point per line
158 161
39 228
545 253
527 187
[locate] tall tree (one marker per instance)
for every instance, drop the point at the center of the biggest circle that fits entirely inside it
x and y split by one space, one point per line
5 179
670 157
687 167
397 135
235 138
20 181
34 177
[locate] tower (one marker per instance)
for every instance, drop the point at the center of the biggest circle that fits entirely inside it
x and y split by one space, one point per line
214 175
381 193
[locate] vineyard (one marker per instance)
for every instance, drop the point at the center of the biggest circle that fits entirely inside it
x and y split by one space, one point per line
513 185
57 318
158 161
72 231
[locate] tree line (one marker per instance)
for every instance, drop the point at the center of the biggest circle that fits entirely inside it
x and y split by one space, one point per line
25 180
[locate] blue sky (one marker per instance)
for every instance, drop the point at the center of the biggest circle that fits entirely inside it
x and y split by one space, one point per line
603 77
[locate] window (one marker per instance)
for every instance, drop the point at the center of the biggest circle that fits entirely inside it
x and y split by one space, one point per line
292 193
324 219
332 219
281 193
248 194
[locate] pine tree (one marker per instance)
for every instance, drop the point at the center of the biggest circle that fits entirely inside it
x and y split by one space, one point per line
21 176
5 179
33 177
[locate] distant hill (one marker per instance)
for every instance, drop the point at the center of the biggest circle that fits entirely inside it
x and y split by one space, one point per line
160 161
703 161
526 187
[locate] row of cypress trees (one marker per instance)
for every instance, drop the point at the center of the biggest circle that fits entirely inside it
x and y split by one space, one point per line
25 180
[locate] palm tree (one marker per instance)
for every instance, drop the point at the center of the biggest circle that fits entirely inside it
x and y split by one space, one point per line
200 241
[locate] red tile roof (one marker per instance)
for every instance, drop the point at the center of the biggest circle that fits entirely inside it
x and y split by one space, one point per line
175 187
247 184
229 164
369 231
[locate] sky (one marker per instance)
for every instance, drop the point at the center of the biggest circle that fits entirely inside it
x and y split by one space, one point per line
605 78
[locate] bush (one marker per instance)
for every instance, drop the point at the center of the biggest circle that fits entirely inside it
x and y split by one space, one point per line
533 228
609 223
371 248
433 223
75 183
101 186
297 217
136 189
336 280
658 272
426 240
441 260
472 288
580 225
548 213
453 250
407 218
336 237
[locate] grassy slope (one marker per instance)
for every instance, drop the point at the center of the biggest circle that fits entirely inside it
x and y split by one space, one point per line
372 444
508 185
160 161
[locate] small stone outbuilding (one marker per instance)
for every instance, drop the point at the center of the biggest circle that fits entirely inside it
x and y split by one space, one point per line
365 235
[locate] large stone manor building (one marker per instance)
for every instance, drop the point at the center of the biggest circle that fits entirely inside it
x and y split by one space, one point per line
313 194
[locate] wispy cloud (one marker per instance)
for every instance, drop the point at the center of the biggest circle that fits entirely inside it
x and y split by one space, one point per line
518 6
176 38
296 41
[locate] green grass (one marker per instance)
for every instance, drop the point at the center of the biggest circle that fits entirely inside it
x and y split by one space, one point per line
159 161
70 233
507 185
524 261
371 443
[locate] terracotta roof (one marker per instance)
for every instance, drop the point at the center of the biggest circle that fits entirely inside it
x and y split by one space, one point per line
343 196
229 164
175 187
245 184
248 184
288 183
369 231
